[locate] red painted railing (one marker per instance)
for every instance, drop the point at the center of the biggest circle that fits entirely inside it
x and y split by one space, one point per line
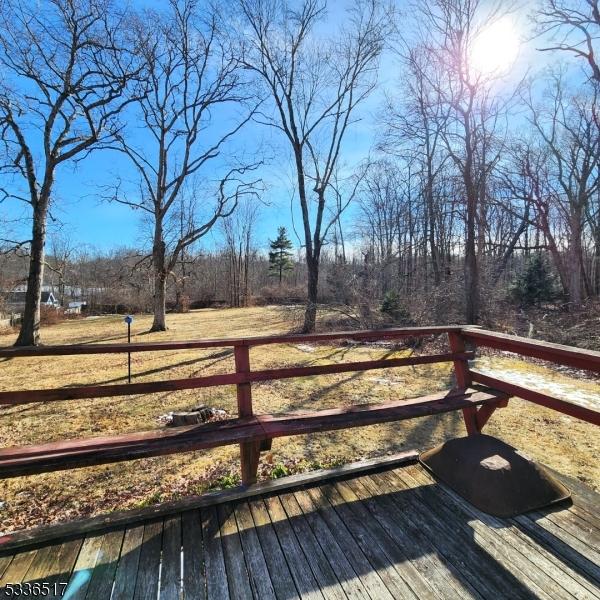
254 432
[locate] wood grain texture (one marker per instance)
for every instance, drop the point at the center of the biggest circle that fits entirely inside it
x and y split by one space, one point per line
383 534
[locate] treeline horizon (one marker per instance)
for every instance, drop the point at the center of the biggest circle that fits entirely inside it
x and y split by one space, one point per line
479 187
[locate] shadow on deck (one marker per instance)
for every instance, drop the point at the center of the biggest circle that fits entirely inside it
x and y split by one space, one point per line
390 532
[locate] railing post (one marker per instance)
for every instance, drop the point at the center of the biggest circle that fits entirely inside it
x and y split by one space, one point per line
463 379
249 451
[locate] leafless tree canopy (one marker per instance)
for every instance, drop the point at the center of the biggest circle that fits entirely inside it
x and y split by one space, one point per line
314 86
193 77
67 68
481 188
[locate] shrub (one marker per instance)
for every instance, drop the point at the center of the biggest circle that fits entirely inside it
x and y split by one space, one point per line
51 316
535 284
393 307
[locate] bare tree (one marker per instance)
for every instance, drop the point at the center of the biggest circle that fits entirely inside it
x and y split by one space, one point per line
473 115
575 27
315 87
414 123
66 65
571 146
238 231
193 78
61 255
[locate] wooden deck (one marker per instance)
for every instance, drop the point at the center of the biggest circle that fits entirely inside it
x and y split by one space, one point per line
392 533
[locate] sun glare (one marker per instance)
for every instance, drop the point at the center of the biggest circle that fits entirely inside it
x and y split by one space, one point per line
495 48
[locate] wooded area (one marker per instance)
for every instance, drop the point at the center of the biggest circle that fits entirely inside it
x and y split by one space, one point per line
481 187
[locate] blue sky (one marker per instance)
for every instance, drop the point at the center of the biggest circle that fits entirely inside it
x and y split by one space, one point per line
90 221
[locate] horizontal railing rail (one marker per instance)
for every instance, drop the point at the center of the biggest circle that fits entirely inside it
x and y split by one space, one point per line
362 335
477 405
572 409
569 356
171 385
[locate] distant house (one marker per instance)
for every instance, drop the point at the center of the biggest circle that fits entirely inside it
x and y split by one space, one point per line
15 301
75 308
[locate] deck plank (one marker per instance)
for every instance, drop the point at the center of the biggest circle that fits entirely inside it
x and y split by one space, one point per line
550 572
318 561
507 556
455 540
194 582
260 579
146 585
391 563
63 566
568 547
235 564
216 574
126 571
360 544
298 565
5 562
574 525
170 578
339 551
102 578
445 578
84 567
17 569
435 586
281 577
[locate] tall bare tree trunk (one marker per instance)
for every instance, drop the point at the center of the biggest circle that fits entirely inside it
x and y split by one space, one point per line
472 298
29 335
310 315
160 279
574 261
471 272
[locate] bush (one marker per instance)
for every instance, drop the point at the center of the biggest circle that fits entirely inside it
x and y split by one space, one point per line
284 294
393 307
535 284
51 316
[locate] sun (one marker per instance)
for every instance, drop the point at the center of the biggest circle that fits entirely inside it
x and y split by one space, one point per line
495 48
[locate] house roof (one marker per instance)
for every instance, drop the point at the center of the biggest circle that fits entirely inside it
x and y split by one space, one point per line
19 297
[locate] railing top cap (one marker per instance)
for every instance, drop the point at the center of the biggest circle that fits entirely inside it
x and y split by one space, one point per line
370 334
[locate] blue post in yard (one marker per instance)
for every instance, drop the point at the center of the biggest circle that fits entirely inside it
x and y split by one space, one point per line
129 320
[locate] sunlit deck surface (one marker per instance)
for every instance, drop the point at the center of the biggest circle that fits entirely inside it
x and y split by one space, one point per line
386 533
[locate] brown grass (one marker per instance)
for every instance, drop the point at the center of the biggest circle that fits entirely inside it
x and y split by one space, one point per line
561 442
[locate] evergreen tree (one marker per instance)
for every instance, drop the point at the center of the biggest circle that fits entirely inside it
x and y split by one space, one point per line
535 284
280 257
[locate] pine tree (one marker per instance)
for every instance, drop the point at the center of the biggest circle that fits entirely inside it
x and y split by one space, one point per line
280 257
535 284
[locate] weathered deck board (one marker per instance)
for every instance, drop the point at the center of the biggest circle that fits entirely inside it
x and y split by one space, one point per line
260 579
126 573
146 585
375 547
281 576
194 582
566 582
373 583
392 533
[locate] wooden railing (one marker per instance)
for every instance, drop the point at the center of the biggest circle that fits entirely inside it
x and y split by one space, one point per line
253 432
585 360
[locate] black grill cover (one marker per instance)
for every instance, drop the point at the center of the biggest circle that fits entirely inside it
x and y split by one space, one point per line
493 476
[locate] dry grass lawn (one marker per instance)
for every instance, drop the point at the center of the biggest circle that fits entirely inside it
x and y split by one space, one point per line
559 441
